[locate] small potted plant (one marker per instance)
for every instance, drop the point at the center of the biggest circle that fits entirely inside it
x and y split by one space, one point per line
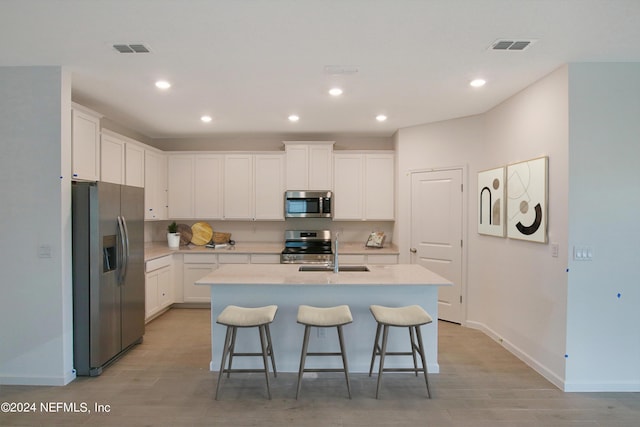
173 237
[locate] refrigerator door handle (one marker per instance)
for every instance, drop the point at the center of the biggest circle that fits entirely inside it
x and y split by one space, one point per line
126 248
121 251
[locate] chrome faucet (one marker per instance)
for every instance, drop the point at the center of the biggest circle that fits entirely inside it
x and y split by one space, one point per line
336 266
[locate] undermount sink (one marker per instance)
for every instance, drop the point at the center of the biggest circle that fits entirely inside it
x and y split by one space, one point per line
330 268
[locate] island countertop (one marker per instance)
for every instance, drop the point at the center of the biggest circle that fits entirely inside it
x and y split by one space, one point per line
289 274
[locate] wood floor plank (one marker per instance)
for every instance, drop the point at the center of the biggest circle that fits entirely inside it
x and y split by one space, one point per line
165 381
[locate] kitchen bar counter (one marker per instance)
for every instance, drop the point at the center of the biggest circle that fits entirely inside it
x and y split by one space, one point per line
159 249
282 284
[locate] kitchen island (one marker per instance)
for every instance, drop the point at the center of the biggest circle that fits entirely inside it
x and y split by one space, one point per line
284 285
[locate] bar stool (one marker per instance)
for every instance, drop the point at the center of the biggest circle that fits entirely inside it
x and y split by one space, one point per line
323 318
234 317
412 317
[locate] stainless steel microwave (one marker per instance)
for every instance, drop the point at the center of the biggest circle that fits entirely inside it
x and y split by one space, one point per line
308 204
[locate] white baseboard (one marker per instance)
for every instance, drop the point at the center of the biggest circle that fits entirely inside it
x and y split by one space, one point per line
38 381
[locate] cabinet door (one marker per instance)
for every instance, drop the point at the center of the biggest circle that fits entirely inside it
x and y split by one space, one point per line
269 186
208 186
180 186
297 169
112 159
151 294
348 198
134 165
155 192
165 296
320 167
379 187
85 146
192 273
238 186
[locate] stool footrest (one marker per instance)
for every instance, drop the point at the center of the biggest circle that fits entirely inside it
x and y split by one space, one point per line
414 370
246 371
324 354
323 370
250 354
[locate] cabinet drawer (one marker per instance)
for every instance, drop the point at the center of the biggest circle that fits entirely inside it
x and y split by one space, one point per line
200 258
233 258
265 259
351 259
383 259
157 263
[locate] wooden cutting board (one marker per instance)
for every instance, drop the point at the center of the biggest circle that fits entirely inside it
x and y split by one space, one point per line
202 233
185 234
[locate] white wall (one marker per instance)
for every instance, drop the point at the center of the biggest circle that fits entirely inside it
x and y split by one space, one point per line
515 290
603 345
518 289
35 306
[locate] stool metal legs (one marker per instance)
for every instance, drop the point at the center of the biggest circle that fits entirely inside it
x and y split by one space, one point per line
304 353
417 346
229 351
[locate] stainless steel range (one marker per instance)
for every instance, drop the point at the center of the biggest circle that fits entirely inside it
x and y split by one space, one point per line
307 247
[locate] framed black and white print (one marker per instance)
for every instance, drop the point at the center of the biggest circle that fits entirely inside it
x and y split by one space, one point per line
491 205
527 209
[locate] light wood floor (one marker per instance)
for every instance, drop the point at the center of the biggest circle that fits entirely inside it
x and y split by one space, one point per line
165 381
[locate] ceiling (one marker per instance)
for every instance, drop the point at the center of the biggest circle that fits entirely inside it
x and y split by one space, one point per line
250 64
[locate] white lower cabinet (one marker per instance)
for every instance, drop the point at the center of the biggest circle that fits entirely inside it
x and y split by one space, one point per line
158 286
361 259
195 267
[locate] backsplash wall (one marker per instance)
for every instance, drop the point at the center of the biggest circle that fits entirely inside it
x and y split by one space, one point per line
273 231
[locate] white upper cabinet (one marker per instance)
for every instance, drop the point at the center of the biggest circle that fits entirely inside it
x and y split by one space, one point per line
112 151
121 160
347 196
309 165
85 144
238 186
180 186
269 186
155 178
379 190
364 186
254 187
134 165
208 175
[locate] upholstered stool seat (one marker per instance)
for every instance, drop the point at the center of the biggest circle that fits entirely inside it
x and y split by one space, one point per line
323 317
413 317
234 317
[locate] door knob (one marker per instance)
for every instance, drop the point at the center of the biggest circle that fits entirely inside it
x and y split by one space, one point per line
413 250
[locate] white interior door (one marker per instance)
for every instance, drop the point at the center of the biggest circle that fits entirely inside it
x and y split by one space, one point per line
436 233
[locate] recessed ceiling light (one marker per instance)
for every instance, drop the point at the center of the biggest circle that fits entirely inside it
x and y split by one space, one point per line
163 84
336 91
206 119
293 118
478 82
381 117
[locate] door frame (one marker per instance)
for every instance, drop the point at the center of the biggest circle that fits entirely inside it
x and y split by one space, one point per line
465 223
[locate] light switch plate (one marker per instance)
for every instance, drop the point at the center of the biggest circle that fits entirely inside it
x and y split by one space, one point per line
582 253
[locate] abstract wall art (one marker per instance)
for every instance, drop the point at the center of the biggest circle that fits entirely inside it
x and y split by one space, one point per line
491 205
527 200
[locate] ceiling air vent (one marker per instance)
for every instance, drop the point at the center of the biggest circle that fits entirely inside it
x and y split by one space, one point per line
131 48
511 44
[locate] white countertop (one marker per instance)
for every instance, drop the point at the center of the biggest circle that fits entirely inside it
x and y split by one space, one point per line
159 249
288 274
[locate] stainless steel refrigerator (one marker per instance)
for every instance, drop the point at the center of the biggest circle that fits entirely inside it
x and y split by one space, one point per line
108 273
